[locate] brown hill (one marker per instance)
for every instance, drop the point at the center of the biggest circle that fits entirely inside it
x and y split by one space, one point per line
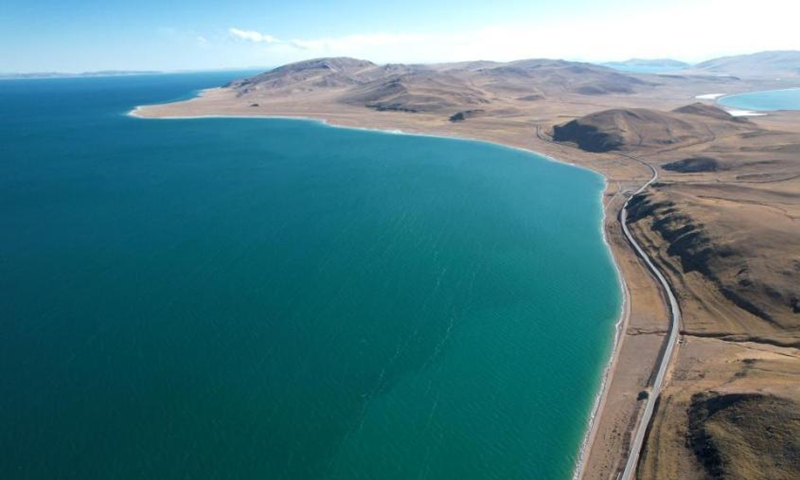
721 233
559 76
710 111
415 90
718 238
626 129
450 87
310 74
745 435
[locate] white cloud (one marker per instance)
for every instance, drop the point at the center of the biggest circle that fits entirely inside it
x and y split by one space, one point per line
331 45
687 30
252 36
356 42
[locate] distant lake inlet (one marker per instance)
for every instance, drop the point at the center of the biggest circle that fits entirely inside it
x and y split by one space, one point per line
772 100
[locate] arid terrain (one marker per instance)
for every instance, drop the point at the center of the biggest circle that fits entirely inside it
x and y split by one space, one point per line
722 222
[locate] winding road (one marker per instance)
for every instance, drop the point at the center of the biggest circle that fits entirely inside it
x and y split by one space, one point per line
674 327
672 339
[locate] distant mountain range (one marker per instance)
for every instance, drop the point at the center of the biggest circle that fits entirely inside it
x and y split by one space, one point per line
771 64
659 63
763 64
469 89
464 87
102 73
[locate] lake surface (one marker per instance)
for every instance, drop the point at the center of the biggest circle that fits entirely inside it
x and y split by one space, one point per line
654 69
765 101
279 299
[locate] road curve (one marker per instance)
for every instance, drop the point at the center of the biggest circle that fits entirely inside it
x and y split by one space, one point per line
674 327
672 339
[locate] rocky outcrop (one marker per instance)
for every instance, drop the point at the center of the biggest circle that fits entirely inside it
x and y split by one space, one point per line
465 114
693 165
687 240
729 265
591 138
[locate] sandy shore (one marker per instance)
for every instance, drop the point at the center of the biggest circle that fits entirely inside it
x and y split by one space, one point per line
644 320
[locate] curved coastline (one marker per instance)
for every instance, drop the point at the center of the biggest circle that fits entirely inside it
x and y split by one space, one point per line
756 111
608 369
624 314
133 113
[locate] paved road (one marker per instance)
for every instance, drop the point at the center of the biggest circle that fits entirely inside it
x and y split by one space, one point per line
674 327
672 340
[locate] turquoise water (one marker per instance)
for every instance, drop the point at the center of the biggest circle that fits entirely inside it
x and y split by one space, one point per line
279 299
765 101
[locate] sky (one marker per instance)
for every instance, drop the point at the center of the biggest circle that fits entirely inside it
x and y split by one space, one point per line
91 35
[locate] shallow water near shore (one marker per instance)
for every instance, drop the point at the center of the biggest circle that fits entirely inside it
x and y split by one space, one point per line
766 101
266 298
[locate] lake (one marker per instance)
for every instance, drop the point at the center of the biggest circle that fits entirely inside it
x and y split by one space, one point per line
764 101
280 299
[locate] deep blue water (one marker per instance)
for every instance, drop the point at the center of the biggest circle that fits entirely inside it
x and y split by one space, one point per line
279 299
765 101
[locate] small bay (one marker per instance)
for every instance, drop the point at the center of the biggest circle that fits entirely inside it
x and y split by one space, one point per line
771 100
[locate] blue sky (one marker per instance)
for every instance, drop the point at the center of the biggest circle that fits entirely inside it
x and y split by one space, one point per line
73 36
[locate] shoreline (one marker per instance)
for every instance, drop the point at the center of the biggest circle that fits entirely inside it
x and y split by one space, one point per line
611 364
328 123
752 112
